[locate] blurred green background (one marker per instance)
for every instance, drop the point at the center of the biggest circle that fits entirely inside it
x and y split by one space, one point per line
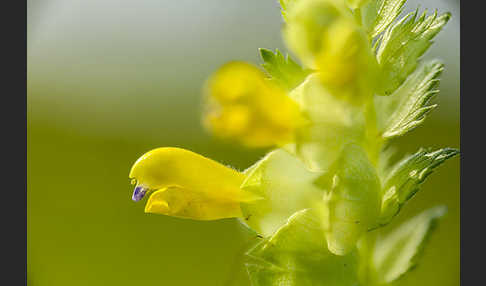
109 80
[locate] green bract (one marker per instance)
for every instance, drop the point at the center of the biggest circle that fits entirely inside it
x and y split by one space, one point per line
402 180
407 107
403 44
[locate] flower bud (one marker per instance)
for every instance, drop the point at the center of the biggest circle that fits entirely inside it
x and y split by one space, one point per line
326 37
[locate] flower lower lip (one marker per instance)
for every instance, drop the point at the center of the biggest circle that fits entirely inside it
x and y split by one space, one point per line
138 193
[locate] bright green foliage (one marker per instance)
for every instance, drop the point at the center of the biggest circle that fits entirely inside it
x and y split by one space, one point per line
398 252
378 15
407 107
325 193
404 179
297 254
403 44
283 70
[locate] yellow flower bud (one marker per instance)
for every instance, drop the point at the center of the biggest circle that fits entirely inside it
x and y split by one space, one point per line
188 185
344 54
327 38
308 22
242 105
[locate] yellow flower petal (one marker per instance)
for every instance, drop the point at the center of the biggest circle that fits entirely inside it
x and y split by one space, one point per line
344 53
155 205
308 22
242 105
188 185
184 203
327 38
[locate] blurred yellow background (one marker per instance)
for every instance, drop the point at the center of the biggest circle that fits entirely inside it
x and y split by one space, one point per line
109 80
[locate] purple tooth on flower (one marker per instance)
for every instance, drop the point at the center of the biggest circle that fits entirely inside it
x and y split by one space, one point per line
138 193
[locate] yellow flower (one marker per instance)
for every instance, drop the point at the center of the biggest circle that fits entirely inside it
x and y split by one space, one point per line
187 185
242 105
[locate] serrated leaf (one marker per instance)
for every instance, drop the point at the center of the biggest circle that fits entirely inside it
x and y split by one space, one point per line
403 44
378 15
398 252
405 178
283 70
408 106
297 255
